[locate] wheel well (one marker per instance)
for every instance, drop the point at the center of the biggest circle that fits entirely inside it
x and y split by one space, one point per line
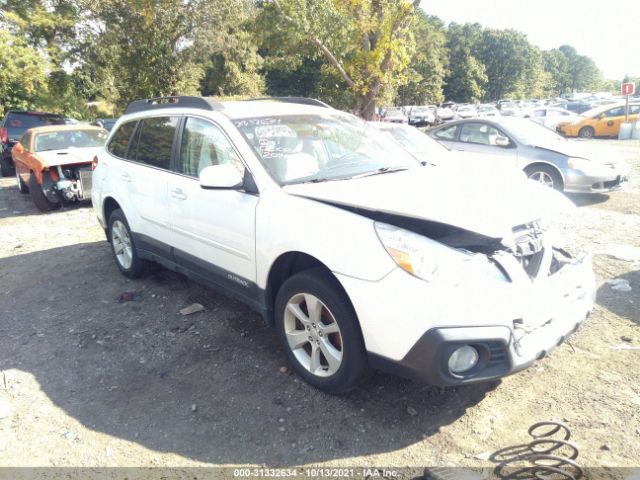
109 206
530 167
285 266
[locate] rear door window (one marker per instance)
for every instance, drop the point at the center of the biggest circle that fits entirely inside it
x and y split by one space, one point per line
155 141
119 143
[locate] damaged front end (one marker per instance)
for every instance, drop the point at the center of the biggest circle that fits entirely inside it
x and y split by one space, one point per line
68 183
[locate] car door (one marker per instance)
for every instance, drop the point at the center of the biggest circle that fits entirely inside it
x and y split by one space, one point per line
214 229
482 138
608 124
145 178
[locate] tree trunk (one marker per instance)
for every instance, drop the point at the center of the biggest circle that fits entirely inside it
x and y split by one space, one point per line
367 106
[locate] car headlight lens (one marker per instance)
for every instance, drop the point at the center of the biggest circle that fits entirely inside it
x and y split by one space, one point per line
578 163
430 260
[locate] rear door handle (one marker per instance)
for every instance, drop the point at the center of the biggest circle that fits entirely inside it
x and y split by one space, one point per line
178 194
125 177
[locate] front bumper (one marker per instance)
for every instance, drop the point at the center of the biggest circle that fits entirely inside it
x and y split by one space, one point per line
576 181
511 327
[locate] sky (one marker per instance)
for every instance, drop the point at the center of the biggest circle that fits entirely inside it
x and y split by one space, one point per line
609 33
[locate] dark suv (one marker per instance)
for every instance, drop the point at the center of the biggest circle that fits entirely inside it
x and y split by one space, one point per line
13 126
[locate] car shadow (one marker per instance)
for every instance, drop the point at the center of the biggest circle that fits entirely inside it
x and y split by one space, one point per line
587 199
623 304
212 386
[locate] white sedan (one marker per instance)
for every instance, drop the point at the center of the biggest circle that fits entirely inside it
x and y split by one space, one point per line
550 116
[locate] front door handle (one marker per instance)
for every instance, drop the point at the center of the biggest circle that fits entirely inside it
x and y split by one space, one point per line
178 194
125 177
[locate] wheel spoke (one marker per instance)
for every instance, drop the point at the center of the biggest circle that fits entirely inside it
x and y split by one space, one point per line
297 338
328 329
118 248
315 358
314 307
298 313
333 356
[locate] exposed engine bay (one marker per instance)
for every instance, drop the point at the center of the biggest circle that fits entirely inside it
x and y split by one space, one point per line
72 182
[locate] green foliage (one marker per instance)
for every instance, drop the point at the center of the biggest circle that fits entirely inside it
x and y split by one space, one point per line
467 78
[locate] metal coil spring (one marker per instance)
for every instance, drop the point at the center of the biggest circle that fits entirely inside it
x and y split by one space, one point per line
550 454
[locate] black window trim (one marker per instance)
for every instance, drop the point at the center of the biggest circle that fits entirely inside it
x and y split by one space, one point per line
108 145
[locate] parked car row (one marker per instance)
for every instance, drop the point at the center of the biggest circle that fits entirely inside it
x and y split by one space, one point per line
364 245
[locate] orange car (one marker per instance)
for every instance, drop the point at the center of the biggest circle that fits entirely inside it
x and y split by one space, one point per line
53 163
602 121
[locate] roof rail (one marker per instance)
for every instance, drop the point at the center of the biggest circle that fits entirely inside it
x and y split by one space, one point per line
301 100
173 102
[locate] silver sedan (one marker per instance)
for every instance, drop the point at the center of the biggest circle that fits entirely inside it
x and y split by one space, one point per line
566 165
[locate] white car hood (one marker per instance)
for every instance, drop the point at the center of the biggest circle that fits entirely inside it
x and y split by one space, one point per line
485 205
68 156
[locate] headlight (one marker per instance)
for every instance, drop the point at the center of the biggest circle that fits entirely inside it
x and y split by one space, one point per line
579 163
432 261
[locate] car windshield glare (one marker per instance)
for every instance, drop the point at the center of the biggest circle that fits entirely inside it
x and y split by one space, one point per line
69 138
531 133
417 143
315 148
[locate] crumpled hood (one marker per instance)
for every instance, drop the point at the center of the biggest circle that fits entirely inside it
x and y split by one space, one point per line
68 156
487 205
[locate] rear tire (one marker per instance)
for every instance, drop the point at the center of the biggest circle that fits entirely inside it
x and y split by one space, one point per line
326 348
5 166
123 246
587 132
39 198
546 175
22 187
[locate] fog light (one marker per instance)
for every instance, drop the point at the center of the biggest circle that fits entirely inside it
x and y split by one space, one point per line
463 359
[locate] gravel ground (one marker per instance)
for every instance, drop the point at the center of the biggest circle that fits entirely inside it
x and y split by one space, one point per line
86 381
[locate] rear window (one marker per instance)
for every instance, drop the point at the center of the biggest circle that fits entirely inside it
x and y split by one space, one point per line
18 123
69 138
119 143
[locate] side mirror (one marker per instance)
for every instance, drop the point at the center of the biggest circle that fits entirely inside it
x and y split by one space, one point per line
224 176
502 142
18 148
601 116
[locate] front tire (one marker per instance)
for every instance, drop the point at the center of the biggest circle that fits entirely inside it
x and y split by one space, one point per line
39 198
587 132
546 175
319 331
123 247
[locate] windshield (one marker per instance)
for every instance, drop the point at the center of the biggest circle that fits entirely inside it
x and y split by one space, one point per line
417 143
314 148
531 133
420 109
69 138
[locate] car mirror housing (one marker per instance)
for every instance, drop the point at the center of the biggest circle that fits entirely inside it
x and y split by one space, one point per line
18 148
502 142
224 176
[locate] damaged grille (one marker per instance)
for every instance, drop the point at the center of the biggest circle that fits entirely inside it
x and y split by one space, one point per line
528 247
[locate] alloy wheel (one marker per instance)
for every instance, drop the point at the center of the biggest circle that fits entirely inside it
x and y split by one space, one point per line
122 246
542 177
313 335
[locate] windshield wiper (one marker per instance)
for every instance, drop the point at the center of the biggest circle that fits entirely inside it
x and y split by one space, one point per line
380 171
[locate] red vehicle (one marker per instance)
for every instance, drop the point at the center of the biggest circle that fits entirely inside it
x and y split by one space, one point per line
53 163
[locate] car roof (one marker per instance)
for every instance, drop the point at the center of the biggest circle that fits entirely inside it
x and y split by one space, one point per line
63 128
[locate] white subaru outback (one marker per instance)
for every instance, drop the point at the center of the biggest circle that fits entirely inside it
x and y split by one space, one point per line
360 256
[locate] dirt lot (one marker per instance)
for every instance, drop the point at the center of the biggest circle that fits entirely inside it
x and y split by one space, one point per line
87 381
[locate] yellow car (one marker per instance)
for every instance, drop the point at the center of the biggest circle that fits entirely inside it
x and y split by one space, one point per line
602 121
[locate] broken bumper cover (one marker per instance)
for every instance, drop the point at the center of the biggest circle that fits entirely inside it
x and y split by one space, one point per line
555 309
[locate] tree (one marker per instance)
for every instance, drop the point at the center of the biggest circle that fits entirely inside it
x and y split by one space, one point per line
582 72
23 72
466 79
428 67
369 43
512 64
